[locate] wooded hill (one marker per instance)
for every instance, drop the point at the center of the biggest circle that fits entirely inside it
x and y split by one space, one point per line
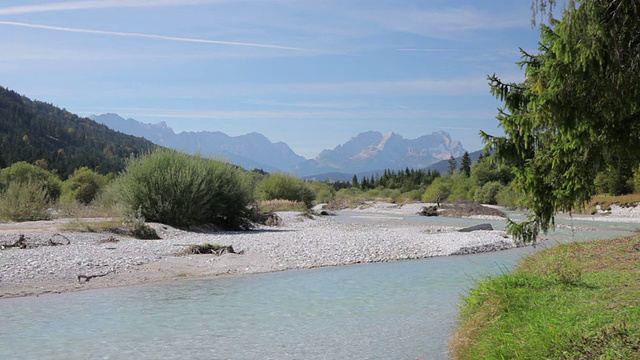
33 130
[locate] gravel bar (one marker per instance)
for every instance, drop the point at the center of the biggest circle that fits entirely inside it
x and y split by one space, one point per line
110 260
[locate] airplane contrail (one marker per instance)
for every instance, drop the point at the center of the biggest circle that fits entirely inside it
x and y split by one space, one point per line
159 37
96 4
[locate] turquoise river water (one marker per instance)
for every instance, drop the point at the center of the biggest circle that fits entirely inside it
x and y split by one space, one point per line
395 310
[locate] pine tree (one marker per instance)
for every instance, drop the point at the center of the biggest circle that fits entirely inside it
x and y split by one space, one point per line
465 167
577 110
453 165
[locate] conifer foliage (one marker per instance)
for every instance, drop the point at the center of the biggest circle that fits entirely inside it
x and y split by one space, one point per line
577 111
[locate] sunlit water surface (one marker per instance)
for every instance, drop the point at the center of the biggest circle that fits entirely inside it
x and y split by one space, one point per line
396 310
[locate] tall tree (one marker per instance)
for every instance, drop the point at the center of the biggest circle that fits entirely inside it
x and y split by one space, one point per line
577 109
453 165
465 166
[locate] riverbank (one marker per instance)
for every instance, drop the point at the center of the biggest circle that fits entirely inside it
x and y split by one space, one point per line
98 260
573 301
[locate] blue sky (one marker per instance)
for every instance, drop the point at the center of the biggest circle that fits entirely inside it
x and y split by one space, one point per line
311 73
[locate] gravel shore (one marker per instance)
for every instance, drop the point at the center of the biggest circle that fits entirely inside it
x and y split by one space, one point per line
112 260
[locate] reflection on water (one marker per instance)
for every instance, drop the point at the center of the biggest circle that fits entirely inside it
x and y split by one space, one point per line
397 310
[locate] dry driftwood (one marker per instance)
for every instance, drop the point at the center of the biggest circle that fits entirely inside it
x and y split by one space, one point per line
86 278
21 243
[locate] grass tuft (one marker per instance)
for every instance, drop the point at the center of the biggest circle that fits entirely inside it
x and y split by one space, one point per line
574 301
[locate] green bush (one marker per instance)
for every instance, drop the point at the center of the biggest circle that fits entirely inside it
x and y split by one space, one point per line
25 201
352 195
107 203
413 195
460 185
438 191
83 185
181 190
509 197
325 193
614 182
280 186
485 171
139 229
487 193
385 194
24 172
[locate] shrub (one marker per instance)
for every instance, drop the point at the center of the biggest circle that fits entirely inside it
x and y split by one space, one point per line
139 229
280 186
460 185
509 197
181 190
83 185
485 171
24 172
25 201
487 193
438 191
413 195
352 195
269 206
325 193
390 195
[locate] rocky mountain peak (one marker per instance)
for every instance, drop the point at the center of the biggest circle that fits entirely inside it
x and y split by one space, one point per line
367 151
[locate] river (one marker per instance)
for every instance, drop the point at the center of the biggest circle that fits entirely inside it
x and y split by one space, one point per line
395 310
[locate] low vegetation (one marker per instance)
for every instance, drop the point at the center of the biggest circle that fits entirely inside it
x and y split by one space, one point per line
183 190
178 189
207 248
280 186
136 228
574 301
268 206
25 201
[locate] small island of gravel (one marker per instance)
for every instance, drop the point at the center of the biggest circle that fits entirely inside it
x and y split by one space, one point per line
110 260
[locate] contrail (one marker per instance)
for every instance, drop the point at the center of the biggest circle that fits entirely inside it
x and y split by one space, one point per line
95 4
159 37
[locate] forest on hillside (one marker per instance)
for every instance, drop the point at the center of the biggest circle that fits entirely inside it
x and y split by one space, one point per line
34 131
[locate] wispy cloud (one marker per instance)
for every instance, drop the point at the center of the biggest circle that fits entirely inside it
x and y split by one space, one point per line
432 50
446 23
419 86
96 4
154 36
321 105
357 91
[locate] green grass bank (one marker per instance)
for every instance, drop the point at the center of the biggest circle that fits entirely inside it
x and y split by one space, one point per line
574 301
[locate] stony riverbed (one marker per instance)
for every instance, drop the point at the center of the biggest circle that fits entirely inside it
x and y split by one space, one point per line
113 260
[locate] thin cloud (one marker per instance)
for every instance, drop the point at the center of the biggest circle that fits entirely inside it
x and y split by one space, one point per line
322 105
96 4
420 86
158 37
432 50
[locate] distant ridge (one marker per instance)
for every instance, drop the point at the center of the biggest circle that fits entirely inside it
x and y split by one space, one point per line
250 151
368 152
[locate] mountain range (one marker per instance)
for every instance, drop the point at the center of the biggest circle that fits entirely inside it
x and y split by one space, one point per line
366 152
